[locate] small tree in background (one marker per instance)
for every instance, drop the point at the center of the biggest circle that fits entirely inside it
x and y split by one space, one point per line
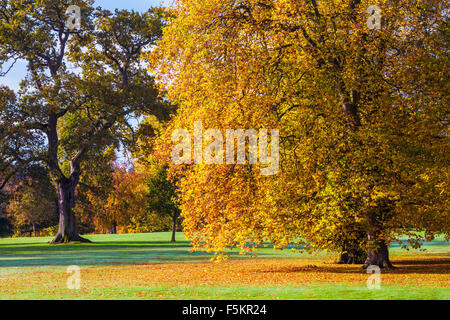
33 203
124 202
162 197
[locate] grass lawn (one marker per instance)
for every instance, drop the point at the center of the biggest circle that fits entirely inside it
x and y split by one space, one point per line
148 266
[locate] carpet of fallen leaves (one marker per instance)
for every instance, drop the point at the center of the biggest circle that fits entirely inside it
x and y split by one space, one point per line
410 270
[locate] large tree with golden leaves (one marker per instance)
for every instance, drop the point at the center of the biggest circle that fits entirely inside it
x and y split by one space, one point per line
361 101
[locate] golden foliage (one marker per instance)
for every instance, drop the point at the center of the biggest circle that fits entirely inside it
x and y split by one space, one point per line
363 116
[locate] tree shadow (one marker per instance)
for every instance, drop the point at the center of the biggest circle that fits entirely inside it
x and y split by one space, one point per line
99 253
429 266
435 261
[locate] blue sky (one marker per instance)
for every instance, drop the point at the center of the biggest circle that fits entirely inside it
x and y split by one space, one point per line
138 5
13 78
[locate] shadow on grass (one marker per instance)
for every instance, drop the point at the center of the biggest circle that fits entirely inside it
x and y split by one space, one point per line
424 262
36 253
100 253
429 266
38 246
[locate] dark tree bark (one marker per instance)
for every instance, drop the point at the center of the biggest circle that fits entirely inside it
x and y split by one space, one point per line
113 229
67 231
352 253
378 253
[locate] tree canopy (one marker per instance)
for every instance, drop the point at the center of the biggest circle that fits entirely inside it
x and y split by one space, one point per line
83 88
363 114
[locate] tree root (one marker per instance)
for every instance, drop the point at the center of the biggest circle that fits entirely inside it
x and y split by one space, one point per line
60 239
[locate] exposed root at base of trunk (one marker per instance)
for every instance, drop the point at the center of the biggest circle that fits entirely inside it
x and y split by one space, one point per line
60 239
352 257
378 256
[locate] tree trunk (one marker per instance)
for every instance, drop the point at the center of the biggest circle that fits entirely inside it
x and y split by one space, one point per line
378 253
34 230
174 227
67 223
67 231
113 229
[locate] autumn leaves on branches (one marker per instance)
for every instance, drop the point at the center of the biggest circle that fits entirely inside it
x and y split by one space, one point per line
360 111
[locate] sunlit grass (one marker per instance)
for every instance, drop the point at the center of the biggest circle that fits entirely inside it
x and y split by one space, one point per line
148 266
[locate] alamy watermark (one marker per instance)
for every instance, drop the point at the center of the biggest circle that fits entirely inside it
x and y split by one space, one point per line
74 20
374 281
74 281
374 20
249 142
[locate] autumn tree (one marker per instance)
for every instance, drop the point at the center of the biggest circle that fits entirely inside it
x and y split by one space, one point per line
33 202
83 87
124 206
360 96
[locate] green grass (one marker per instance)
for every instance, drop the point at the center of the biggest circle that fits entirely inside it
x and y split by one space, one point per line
137 248
314 292
22 259
107 249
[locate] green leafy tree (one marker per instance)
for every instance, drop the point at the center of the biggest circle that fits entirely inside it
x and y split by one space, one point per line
6 227
83 88
95 187
18 148
162 197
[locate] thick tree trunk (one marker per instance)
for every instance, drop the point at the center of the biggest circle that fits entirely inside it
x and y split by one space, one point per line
34 230
67 231
113 229
378 253
67 223
174 227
